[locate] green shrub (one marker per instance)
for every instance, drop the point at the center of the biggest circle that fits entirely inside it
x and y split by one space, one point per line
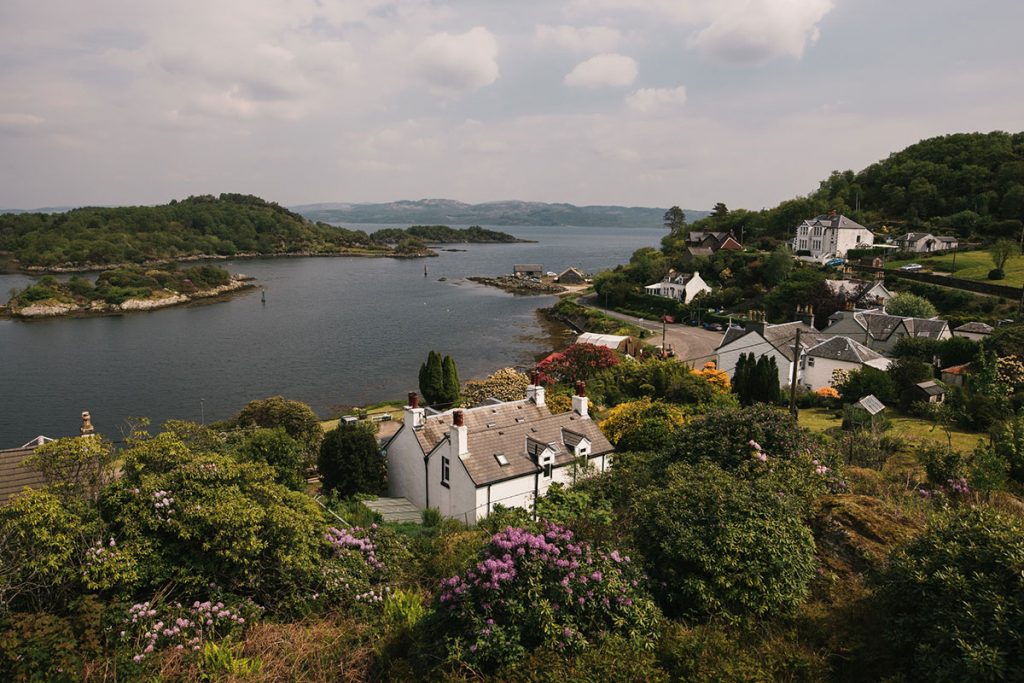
350 461
996 274
955 599
719 545
275 448
294 417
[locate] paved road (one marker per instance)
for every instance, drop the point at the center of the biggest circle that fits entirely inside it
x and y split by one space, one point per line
693 345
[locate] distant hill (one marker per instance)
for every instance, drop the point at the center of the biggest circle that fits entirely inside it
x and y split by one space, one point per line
450 212
967 184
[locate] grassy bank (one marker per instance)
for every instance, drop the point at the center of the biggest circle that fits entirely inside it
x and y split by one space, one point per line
970 265
913 428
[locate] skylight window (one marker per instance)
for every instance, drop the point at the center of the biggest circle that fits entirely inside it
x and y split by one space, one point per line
502 460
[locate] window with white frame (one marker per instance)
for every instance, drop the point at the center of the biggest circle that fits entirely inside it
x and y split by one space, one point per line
446 470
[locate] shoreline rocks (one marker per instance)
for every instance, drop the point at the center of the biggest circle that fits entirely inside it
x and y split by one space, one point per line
159 299
517 285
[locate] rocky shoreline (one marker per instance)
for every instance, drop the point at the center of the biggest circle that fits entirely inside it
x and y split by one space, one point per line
517 285
159 299
13 265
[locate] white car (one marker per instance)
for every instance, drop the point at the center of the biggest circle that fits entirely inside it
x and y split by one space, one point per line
912 266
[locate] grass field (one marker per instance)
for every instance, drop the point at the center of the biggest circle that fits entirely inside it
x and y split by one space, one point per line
970 265
820 419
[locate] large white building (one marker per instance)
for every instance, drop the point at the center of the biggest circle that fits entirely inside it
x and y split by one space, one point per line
679 286
466 461
830 236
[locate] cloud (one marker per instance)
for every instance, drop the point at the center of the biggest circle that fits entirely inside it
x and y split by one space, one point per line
609 69
578 39
646 100
758 31
458 62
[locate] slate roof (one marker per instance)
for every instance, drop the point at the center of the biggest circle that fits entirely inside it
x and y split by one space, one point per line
976 328
782 337
931 387
922 327
879 325
14 476
838 221
700 251
843 349
507 429
911 237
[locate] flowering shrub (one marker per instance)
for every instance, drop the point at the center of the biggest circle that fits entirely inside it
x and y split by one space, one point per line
828 393
642 425
578 362
107 566
151 627
507 384
542 589
719 379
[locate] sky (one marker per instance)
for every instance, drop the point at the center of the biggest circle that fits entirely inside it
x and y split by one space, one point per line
631 102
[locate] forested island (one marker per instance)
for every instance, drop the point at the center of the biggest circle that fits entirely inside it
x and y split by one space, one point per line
128 288
204 226
443 234
969 184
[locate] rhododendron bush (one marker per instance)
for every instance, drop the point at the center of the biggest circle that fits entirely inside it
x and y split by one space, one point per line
543 589
578 362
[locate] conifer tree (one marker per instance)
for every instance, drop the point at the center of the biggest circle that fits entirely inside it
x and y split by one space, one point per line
432 379
450 381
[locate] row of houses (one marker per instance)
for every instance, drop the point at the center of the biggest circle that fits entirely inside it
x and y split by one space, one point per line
852 340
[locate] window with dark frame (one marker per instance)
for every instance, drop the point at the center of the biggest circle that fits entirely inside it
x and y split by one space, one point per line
445 471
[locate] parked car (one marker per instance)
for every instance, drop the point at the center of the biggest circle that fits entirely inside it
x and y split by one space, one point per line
693 323
835 262
714 327
912 267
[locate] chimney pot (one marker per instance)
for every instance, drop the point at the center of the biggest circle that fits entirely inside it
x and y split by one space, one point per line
86 429
414 399
458 419
581 388
535 378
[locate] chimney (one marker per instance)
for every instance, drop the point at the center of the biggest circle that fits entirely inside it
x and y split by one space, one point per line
535 390
756 322
580 403
458 435
87 429
413 413
805 314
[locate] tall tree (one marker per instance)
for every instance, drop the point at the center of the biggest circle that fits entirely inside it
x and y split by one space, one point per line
1001 251
432 379
450 380
720 210
350 462
675 219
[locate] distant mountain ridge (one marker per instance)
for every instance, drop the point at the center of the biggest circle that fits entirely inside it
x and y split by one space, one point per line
512 212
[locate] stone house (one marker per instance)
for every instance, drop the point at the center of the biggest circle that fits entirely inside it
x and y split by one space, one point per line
829 236
572 276
527 270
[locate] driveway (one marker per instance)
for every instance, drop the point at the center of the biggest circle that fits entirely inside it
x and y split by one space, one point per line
692 345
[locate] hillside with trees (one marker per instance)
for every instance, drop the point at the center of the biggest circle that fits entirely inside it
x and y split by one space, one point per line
442 234
967 184
205 225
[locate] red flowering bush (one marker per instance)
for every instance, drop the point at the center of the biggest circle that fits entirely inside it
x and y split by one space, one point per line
533 590
578 362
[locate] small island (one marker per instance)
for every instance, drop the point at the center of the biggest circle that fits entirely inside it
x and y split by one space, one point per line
443 234
119 290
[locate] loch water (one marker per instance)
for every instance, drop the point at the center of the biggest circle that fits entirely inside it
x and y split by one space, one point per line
332 332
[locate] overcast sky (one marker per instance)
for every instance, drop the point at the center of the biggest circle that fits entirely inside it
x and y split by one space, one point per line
636 102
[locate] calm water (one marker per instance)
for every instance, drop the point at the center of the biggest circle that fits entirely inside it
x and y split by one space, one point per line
333 331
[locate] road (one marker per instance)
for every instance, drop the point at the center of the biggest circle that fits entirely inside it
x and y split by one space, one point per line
692 345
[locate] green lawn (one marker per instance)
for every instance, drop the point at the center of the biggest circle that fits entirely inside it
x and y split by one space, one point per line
820 419
970 265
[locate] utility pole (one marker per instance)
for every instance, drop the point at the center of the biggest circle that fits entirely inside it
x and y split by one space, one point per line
664 351
954 257
792 386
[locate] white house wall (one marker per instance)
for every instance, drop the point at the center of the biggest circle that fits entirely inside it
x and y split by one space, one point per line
820 374
727 359
405 468
458 499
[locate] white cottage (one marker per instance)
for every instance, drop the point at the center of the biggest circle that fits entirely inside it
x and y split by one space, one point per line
761 339
838 353
679 286
466 461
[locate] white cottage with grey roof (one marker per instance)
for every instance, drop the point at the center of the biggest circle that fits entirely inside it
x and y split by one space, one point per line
838 353
762 339
466 461
880 331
